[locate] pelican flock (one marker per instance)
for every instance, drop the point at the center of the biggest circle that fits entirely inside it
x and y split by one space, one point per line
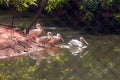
13 43
49 40
50 47
74 46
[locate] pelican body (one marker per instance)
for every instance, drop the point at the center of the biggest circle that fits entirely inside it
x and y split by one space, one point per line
78 43
55 39
77 46
36 32
43 40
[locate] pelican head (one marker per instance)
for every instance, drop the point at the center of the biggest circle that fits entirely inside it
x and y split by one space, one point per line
60 37
38 25
50 34
82 39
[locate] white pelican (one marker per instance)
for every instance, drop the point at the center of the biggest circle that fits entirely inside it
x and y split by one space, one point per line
77 46
36 32
78 43
56 39
44 38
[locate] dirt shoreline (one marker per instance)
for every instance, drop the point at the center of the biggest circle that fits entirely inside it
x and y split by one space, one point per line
13 43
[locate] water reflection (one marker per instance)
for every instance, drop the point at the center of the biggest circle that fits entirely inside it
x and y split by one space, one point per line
78 51
44 53
76 47
75 51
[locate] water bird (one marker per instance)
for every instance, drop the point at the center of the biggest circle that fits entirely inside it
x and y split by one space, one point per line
43 40
77 46
56 39
78 43
36 32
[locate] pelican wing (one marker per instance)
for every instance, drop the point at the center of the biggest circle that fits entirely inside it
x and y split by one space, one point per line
75 43
42 38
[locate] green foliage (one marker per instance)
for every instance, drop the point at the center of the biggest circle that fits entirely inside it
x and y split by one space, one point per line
117 49
61 59
88 5
99 69
116 4
106 3
88 16
52 4
17 69
96 7
117 18
19 4
93 5
22 26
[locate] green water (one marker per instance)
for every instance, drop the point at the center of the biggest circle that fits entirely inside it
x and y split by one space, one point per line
100 63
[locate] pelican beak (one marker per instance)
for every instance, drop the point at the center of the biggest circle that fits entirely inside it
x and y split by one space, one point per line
43 31
62 39
52 37
85 41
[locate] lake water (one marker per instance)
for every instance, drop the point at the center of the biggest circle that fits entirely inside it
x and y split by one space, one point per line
99 61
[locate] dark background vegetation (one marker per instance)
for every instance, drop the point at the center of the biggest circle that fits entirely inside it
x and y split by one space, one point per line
93 16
